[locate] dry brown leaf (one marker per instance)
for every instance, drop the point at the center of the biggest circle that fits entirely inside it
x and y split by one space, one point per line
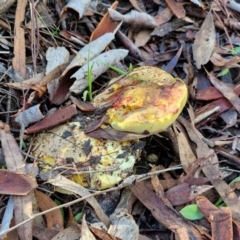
184 193
139 5
204 42
176 8
106 25
164 16
19 60
221 223
15 163
168 27
226 91
123 225
54 218
211 170
133 18
142 38
27 84
162 213
56 57
55 73
60 116
72 232
70 36
84 56
69 185
16 184
101 234
85 232
42 233
186 154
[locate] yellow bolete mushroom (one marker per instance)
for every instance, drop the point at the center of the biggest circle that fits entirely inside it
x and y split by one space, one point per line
147 100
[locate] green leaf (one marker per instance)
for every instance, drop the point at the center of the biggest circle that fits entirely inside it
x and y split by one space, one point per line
114 68
78 216
61 209
130 68
223 72
191 212
85 94
235 51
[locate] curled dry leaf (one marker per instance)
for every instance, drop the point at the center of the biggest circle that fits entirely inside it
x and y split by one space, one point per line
99 65
30 115
78 6
88 52
55 57
109 161
147 100
106 25
204 42
133 18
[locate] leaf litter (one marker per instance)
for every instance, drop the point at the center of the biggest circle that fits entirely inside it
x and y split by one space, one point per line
90 150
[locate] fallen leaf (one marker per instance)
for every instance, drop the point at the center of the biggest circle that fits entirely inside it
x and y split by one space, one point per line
55 58
221 223
161 212
60 116
184 193
30 115
123 225
176 8
54 218
168 27
78 6
204 42
133 49
226 91
163 16
85 232
139 5
106 25
42 233
27 84
142 37
16 184
187 156
15 163
133 18
99 65
72 232
211 170
64 183
111 134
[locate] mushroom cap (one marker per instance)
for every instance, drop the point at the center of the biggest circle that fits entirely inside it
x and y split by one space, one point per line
147 100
